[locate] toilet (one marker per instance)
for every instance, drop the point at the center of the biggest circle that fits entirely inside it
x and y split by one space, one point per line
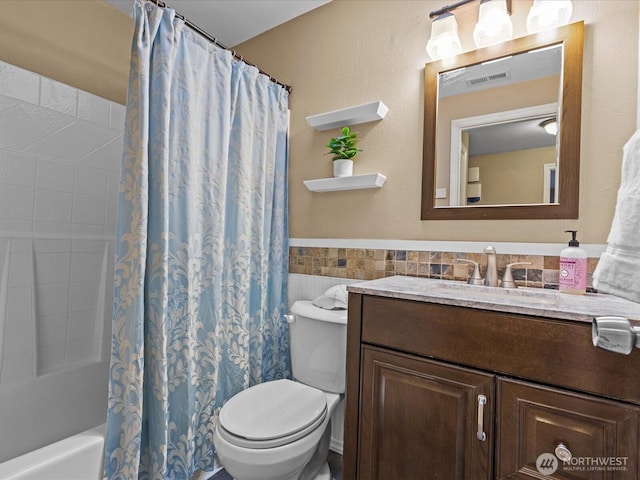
281 430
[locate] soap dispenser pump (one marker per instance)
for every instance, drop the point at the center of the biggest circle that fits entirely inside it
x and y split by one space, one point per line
573 267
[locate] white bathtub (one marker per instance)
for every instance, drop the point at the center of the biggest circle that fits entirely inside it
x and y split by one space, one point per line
74 458
79 457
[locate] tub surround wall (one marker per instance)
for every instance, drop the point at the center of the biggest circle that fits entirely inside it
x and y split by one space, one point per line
60 151
57 219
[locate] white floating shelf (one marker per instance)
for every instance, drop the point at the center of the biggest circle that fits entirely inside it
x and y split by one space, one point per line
368 112
355 182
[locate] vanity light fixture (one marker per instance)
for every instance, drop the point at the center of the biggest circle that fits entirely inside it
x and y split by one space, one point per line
546 14
494 25
444 41
550 126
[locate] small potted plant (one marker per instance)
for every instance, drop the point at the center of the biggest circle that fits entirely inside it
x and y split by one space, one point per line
343 148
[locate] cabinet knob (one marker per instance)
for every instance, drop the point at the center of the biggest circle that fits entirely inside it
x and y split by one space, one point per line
563 453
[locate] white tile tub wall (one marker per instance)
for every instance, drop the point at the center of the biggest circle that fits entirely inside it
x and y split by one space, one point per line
60 155
71 283
60 151
53 294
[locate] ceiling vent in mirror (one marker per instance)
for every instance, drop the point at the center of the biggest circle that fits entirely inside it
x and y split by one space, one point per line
494 77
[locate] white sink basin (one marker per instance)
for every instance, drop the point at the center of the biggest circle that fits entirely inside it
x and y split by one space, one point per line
520 295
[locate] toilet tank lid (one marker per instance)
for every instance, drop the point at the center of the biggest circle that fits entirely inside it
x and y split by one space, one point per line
307 309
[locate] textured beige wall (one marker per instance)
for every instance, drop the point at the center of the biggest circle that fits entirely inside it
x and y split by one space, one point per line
83 43
513 177
350 52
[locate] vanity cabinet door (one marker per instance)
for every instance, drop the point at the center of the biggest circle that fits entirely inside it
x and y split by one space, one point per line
598 437
419 419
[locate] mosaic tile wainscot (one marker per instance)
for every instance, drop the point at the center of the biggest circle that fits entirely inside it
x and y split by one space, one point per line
369 264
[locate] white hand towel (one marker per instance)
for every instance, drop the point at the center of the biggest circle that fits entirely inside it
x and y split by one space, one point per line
618 270
335 298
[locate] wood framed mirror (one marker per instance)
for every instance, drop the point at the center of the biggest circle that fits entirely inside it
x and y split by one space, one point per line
476 107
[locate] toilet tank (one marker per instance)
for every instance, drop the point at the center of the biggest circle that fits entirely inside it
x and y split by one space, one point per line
318 340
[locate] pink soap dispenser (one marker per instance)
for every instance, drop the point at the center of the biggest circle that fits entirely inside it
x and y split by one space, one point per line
573 267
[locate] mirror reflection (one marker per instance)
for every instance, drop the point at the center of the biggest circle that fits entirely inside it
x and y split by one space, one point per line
502 130
486 126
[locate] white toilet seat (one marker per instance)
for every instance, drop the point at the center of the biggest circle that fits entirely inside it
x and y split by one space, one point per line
281 430
272 414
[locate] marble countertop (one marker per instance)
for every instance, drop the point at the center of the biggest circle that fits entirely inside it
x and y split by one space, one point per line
525 301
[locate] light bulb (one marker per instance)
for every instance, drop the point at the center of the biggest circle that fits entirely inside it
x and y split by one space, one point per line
444 41
545 14
494 25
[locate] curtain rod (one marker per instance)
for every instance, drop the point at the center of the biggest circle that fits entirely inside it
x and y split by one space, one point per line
215 41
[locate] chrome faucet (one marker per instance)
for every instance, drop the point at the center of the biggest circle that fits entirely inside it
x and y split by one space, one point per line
491 274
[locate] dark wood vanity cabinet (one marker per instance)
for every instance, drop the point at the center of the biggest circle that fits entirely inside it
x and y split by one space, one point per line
535 419
416 374
420 416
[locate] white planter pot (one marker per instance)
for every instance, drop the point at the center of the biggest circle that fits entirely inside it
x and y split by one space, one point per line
342 168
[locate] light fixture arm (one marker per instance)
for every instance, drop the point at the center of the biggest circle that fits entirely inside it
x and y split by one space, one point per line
453 6
448 8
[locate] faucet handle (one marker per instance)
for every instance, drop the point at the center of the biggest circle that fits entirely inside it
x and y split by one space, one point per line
475 278
507 278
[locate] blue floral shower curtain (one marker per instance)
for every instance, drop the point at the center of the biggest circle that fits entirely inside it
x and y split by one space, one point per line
201 254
